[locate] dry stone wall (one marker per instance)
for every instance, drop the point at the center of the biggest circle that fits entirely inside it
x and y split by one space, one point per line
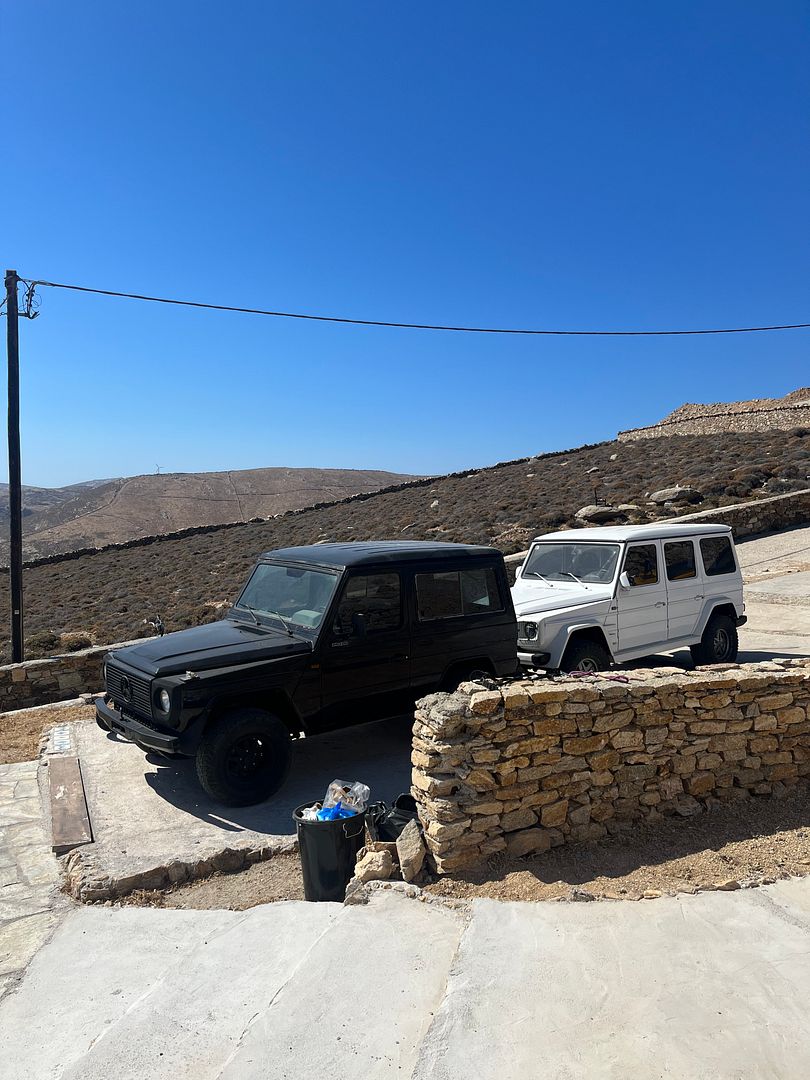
540 763
757 516
59 678
761 414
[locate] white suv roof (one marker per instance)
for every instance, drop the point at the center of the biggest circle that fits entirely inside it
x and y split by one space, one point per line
623 533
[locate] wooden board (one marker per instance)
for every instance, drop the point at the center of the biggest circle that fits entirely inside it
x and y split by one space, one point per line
70 821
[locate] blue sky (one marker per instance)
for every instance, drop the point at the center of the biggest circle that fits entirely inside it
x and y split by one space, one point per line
591 165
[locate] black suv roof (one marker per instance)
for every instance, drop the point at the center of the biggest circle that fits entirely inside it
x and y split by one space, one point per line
370 552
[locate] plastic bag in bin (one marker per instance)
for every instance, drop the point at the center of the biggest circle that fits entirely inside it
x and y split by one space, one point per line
351 796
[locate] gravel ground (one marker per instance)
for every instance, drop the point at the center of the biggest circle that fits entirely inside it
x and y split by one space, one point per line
777 553
730 846
21 731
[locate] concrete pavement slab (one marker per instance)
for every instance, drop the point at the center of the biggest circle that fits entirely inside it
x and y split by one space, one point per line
289 989
29 873
708 987
360 1006
147 812
98 966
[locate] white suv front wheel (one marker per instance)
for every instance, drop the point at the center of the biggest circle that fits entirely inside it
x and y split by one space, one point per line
585 655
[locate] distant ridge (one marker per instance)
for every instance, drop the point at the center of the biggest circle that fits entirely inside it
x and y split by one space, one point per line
102 512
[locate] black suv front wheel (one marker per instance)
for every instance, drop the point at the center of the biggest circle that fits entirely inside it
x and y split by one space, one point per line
243 757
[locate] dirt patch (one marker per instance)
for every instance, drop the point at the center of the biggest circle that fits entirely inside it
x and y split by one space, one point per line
747 843
20 732
741 845
262 883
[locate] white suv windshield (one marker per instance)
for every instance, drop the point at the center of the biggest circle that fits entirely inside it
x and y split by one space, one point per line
572 562
288 594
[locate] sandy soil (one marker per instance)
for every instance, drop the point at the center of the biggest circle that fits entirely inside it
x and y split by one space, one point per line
742 844
729 847
263 883
21 731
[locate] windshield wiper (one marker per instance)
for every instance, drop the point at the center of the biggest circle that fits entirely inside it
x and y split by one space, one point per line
246 607
569 574
534 573
283 622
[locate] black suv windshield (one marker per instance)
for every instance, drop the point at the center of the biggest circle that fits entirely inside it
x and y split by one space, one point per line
290 595
591 563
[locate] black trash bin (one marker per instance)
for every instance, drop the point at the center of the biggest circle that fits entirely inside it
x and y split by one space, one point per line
328 852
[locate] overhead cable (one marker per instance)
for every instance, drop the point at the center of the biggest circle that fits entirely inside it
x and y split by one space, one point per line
420 326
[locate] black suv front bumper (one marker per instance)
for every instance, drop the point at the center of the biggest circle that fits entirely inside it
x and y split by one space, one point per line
143 735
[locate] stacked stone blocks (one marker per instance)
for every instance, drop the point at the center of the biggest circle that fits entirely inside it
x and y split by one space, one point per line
541 763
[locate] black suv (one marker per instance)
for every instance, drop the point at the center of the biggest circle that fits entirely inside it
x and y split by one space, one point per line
321 637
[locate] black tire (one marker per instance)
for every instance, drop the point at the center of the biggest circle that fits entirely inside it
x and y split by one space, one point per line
719 644
464 673
244 757
585 655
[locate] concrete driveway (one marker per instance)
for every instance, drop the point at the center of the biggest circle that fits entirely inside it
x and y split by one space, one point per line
149 814
709 986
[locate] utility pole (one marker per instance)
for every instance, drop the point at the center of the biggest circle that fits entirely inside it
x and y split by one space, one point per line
14 469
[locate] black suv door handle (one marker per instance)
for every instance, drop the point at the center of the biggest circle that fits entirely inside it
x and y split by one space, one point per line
400 656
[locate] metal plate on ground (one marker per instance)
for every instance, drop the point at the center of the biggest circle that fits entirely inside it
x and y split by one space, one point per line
70 821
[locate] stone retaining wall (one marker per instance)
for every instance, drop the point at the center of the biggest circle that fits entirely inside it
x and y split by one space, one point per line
757 516
765 414
59 678
547 762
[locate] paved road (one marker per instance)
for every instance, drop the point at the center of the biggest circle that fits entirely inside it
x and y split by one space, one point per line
709 986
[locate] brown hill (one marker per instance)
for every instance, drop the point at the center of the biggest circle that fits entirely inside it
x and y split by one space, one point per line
187 579
112 511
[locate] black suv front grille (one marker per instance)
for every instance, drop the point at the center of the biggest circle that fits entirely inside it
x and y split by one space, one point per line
129 692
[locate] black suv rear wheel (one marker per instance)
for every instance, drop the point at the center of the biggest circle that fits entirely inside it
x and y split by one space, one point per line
243 757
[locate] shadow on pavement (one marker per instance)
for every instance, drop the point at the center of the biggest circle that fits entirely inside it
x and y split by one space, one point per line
378 754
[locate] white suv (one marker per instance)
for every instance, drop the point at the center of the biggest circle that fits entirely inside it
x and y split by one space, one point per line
591 597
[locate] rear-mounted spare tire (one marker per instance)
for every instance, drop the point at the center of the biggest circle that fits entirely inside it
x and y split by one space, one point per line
244 757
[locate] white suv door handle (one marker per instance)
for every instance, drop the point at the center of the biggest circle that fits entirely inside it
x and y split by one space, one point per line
700 596
661 603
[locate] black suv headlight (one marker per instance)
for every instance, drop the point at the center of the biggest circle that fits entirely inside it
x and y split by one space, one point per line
163 701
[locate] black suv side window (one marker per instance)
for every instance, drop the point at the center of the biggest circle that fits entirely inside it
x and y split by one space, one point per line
680 560
451 594
718 557
377 597
641 564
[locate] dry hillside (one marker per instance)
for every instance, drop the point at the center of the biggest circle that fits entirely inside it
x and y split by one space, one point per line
186 579
112 511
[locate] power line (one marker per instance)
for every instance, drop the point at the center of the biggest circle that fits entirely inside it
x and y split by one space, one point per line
419 326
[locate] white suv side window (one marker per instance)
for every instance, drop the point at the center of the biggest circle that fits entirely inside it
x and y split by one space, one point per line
641 564
680 560
718 558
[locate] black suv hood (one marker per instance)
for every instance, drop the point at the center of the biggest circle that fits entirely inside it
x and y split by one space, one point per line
214 645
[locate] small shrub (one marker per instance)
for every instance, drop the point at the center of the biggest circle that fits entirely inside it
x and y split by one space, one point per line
74 641
42 643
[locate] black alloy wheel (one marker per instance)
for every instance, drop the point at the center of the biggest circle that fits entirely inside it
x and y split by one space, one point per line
244 757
